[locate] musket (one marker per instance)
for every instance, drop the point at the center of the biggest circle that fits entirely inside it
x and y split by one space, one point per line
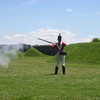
45 41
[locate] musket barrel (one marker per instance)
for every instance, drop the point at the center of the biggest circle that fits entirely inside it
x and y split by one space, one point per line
45 41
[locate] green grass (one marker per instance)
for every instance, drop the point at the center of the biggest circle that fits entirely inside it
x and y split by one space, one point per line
32 78
84 53
33 52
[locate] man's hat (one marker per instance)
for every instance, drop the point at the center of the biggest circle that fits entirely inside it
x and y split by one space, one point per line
59 37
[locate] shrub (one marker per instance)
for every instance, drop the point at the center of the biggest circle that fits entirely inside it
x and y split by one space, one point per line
95 40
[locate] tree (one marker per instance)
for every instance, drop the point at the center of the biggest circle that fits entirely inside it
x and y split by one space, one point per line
95 40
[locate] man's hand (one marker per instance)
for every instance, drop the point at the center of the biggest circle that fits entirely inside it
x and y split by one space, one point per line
53 45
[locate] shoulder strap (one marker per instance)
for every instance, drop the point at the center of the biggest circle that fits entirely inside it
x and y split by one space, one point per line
59 47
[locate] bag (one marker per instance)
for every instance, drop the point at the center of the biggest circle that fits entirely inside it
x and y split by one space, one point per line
62 53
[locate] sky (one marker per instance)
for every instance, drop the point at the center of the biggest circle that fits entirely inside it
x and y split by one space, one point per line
23 21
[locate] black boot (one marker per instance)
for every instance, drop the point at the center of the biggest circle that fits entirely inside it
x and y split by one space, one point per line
56 70
63 70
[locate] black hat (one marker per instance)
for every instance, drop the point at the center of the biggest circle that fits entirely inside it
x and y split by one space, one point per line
59 37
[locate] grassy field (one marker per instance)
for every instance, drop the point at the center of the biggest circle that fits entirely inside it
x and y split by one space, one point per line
84 53
32 78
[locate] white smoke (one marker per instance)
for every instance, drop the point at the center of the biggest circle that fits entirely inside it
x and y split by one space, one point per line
4 61
7 53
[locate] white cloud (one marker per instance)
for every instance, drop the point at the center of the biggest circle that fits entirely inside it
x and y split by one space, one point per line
8 37
69 10
98 13
88 39
31 37
52 34
47 34
19 35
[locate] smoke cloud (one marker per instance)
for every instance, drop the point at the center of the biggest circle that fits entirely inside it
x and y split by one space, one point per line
8 52
4 61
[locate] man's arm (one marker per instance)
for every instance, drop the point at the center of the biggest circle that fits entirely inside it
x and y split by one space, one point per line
64 44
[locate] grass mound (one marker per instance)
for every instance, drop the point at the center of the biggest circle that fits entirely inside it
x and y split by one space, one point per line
86 53
33 52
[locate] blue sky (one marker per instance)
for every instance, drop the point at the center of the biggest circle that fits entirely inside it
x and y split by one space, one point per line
23 21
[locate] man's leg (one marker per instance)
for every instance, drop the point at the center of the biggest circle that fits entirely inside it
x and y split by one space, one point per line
63 69
57 62
63 64
56 70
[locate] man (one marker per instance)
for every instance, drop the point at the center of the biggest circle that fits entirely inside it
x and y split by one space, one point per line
60 56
